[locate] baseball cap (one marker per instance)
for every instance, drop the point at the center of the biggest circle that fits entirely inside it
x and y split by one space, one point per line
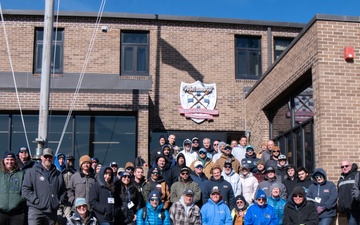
195 139
215 189
202 150
249 148
47 151
9 155
185 169
80 201
270 168
282 157
198 163
70 157
227 147
113 164
188 192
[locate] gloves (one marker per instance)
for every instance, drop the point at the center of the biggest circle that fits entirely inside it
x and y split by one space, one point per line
319 209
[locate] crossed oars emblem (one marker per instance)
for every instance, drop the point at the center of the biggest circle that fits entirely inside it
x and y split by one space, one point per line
198 100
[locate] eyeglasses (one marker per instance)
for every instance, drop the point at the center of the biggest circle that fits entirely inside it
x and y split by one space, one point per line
48 157
298 196
130 169
239 202
344 166
154 199
184 173
318 176
81 206
260 200
155 173
126 176
215 144
276 151
23 152
202 152
227 167
195 142
199 167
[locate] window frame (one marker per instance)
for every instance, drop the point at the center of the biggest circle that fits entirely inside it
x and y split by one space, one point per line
58 43
135 47
277 53
248 51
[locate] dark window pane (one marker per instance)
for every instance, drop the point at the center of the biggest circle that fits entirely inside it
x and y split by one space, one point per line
128 59
18 134
40 35
248 57
39 50
4 132
134 38
242 42
241 62
254 43
82 136
254 64
141 59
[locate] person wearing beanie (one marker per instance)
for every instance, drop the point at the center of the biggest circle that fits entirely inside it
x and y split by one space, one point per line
153 213
184 211
82 181
128 199
158 183
163 166
23 158
299 210
239 212
82 215
221 147
260 212
259 172
12 205
325 195
180 164
167 152
276 201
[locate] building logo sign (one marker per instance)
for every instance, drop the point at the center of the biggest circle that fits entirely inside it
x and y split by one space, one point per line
198 101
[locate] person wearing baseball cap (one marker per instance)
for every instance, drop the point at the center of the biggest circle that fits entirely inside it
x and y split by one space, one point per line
24 159
184 211
153 213
82 181
227 156
43 188
184 182
82 214
271 179
210 210
206 162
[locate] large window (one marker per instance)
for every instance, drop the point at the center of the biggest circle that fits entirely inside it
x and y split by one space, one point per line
107 137
280 44
247 57
57 51
135 53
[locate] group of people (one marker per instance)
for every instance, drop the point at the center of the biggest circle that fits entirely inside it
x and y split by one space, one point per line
216 183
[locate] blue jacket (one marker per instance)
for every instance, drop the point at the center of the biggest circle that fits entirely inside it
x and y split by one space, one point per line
225 188
153 217
325 192
278 204
260 215
218 214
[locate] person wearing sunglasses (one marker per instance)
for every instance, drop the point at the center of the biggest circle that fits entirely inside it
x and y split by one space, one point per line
153 213
227 156
325 195
158 183
250 158
299 210
127 198
273 161
239 212
260 212
206 162
195 144
24 159
348 189
82 215
184 182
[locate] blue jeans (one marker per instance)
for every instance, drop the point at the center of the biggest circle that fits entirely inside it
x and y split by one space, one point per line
325 221
353 218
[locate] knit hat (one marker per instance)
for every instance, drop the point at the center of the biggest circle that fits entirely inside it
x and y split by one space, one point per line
9 155
79 202
260 194
154 193
84 158
260 161
298 190
129 164
240 197
274 185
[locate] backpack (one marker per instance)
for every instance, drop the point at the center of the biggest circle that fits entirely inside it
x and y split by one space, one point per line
144 213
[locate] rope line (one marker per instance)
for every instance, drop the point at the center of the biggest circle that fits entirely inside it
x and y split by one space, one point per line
14 79
83 70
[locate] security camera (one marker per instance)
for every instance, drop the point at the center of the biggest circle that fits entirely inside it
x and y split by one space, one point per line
104 29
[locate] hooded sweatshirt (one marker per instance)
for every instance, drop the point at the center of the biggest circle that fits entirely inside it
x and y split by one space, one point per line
234 179
190 156
56 162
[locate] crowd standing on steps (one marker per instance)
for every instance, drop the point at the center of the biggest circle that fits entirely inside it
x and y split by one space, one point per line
201 182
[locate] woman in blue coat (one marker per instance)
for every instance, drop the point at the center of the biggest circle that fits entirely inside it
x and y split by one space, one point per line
153 213
325 195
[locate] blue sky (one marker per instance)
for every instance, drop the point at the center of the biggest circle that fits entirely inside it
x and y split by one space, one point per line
271 10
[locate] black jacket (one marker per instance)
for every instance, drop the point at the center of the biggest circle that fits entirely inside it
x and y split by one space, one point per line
304 214
290 184
100 197
123 196
43 189
345 184
305 183
225 190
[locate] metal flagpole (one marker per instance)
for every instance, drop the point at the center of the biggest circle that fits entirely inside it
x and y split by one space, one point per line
45 78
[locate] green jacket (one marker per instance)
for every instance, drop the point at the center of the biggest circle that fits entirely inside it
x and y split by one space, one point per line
178 188
10 191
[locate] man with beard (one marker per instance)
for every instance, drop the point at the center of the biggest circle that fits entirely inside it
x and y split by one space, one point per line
185 211
184 182
23 158
195 144
157 151
44 189
157 182
81 182
228 157
238 213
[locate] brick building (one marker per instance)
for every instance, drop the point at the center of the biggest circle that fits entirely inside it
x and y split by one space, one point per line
274 80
